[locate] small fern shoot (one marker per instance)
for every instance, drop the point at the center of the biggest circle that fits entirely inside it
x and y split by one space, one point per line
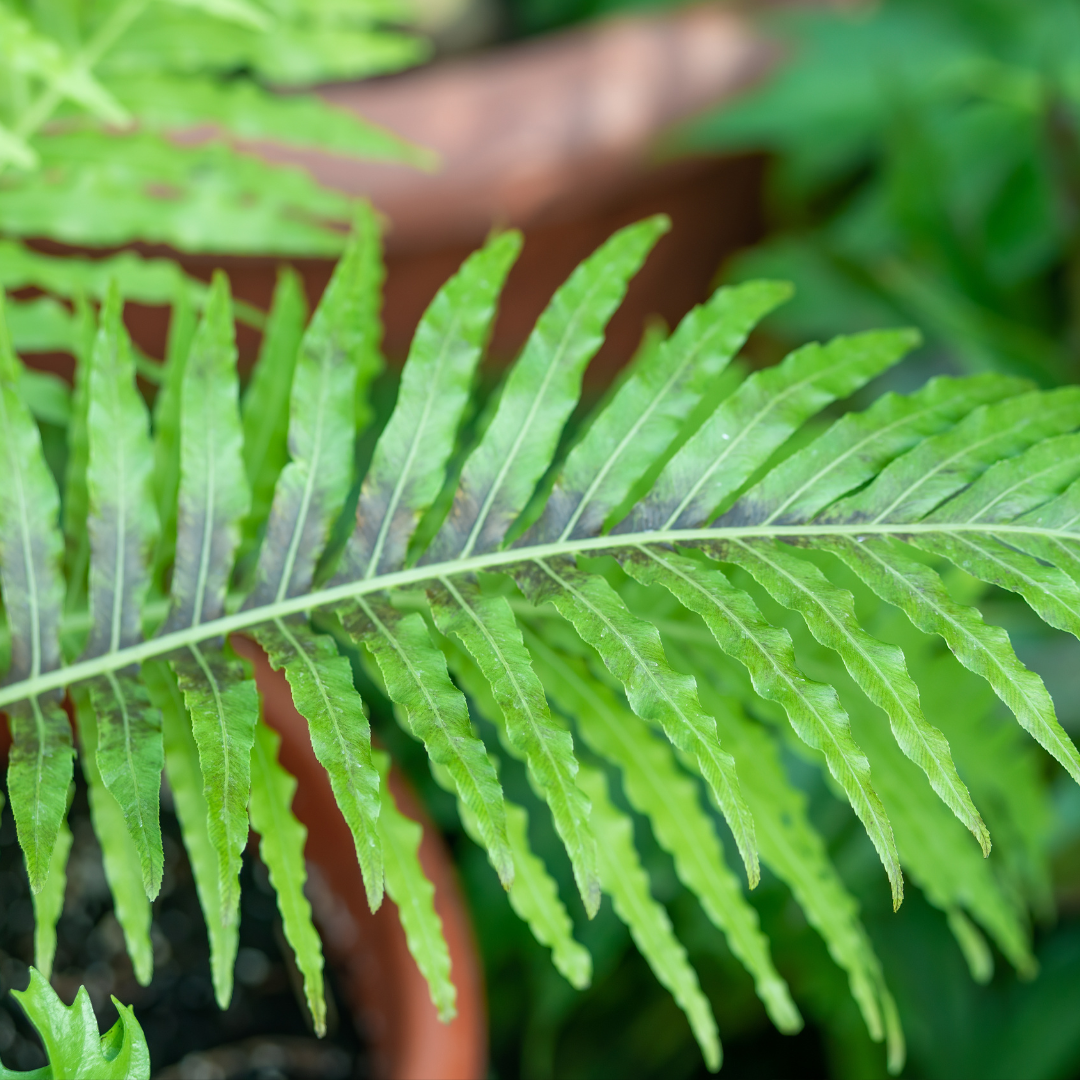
641 602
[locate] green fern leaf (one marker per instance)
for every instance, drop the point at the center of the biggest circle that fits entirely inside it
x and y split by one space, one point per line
659 789
814 710
533 895
628 885
858 446
487 628
281 847
648 410
186 783
918 591
416 678
49 903
540 393
121 522
409 464
796 853
878 668
632 651
119 855
40 765
265 404
762 413
307 500
213 499
414 895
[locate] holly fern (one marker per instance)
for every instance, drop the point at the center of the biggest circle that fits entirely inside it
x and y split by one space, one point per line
515 568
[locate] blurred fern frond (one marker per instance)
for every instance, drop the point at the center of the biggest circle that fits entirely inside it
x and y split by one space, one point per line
540 597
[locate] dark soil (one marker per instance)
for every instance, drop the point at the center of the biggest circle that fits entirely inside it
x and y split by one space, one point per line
264 1035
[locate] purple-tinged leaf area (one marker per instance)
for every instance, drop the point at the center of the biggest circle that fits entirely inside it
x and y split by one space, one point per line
918 481
648 410
122 523
877 668
755 420
336 352
631 649
435 712
488 630
859 445
31 551
213 494
766 651
539 395
409 465
321 681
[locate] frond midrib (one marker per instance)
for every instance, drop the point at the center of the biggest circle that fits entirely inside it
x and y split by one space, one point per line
491 561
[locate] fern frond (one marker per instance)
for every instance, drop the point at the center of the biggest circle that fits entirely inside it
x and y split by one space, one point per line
981 473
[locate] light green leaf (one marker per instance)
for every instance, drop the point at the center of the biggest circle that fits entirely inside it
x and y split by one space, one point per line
409 465
657 788
414 896
877 668
436 713
540 393
985 649
49 903
632 651
120 856
766 651
628 885
322 687
70 1033
186 783
265 404
281 848
487 628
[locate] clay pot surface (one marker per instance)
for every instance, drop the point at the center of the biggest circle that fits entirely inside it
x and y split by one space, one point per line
388 995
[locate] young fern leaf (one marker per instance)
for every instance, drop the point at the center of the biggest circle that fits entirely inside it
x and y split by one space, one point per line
31 548
487 628
186 783
628 885
119 855
76 497
657 788
213 499
122 527
414 895
632 651
539 396
281 847
307 499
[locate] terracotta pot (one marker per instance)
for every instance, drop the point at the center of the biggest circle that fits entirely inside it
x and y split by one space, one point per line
387 993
